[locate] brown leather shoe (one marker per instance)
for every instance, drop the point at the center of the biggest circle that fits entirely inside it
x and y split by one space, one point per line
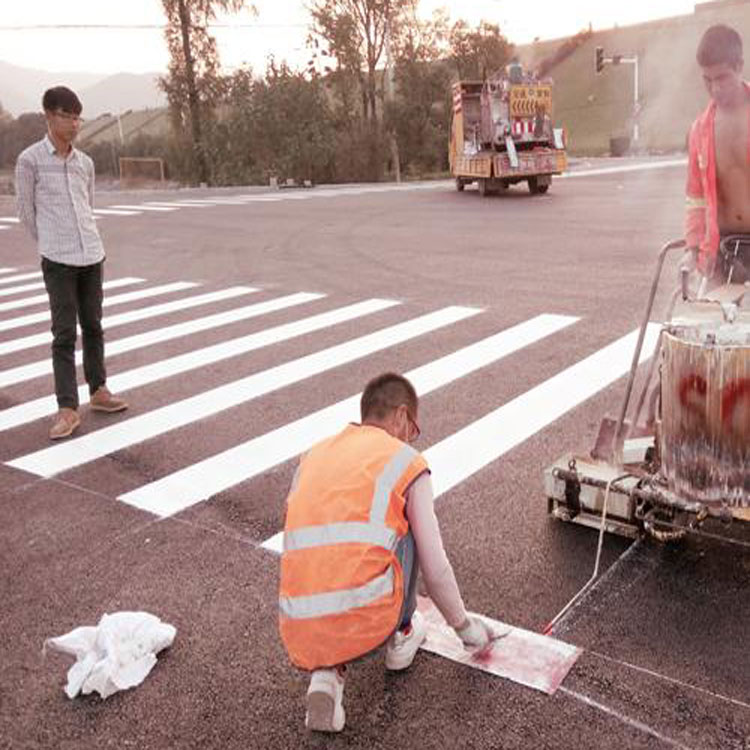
66 421
103 400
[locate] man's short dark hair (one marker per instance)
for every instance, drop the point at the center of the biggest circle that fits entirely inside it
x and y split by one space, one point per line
61 98
720 45
386 392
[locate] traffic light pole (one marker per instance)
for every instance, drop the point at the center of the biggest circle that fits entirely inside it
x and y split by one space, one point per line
601 61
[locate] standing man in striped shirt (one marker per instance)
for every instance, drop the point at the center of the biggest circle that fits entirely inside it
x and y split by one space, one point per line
55 192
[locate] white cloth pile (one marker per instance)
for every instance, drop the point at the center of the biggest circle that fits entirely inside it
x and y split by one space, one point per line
116 654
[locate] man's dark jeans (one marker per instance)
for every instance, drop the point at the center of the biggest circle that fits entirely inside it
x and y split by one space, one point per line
75 293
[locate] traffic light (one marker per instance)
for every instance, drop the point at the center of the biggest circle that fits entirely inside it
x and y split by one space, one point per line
599 59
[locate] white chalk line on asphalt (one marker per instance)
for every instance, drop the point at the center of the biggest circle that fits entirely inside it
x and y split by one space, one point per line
205 478
119 299
465 452
634 723
671 680
141 313
126 432
190 327
40 298
20 277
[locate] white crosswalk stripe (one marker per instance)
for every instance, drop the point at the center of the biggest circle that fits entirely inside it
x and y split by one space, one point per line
21 288
142 313
20 277
7 270
10 220
114 212
160 335
455 458
119 299
199 358
42 298
201 480
467 451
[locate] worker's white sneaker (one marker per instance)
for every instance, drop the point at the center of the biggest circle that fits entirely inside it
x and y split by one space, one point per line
402 646
325 712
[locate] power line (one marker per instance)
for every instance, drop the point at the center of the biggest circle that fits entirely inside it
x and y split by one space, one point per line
142 26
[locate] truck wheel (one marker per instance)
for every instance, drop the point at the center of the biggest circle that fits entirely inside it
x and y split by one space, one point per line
460 184
536 187
482 184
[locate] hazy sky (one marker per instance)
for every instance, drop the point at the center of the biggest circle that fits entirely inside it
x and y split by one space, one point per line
279 28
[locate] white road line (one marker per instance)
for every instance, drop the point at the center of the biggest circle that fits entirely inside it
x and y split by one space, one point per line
626 168
144 207
22 288
114 212
623 718
199 358
467 451
21 277
56 459
462 454
7 270
176 204
3 226
119 299
39 298
160 335
10 219
201 480
142 313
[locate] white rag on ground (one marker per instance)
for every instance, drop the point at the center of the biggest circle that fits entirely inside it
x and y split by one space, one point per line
116 654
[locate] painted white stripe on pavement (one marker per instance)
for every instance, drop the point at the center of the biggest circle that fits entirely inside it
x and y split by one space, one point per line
39 298
119 299
7 270
199 358
160 335
142 313
462 454
201 480
56 459
144 207
626 168
10 219
3 226
176 204
21 277
113 212
467 451
22 288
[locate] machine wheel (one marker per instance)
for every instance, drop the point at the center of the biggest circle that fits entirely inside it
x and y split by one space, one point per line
460 185
536 187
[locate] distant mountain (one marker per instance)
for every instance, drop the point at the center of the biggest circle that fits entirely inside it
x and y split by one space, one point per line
121 92
21 90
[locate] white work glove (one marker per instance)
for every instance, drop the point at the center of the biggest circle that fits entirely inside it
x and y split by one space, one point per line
476 634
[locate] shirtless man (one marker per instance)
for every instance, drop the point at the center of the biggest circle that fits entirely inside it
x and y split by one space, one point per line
718 186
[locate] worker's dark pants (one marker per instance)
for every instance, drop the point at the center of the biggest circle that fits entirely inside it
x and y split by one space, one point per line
407 556
75 293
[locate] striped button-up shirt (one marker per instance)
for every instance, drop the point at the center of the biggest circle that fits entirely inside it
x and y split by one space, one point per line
55 197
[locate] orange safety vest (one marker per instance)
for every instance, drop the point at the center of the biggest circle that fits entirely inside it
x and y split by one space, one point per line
701 217
341 588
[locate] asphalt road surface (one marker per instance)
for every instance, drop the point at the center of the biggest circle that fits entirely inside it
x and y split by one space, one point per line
241 325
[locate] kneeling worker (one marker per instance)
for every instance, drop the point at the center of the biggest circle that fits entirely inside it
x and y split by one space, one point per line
360 523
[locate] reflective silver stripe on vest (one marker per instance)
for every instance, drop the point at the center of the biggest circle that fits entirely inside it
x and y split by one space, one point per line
695 202
340 533
386 481
336 602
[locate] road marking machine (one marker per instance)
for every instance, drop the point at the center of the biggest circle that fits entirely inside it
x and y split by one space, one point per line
683 454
